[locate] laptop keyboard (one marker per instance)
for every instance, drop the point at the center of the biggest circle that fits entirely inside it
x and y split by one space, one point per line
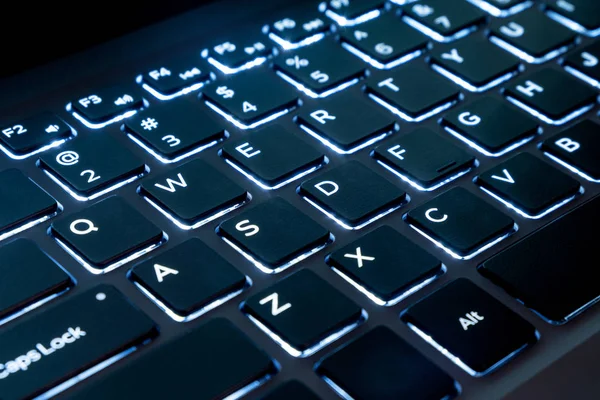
309 177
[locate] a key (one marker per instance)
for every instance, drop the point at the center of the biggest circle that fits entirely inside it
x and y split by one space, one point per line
321 69
474 63
531 36
584 63
302 28
175 130
106 105
91 166
385 266
346 123
33 135
188 280
582 16
176 76
23 203
214 361
384 42
502 8
443 21
471 326
424 159
233 56
352 195
291 390
352 12
528 185
577 149
272 157
490 126
106 235
274 235
552 96
381 356
412 92
250 99
305 313
193 194
533 270
31 278
72 337
460 223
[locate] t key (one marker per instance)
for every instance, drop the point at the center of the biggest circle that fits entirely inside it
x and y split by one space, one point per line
274 235
460 223
107 105
89 167
304 312
471 326
106 235
529 186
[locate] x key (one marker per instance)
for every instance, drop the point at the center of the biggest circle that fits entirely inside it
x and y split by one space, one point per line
359 257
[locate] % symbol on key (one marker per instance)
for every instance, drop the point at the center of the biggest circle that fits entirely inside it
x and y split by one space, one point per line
297 62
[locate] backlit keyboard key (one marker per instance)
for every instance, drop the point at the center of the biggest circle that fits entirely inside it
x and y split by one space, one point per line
233 56
175 77
502 8
301 28
584 63
305 313
352 12
106 235
582 16
274 235
352 195
471 326
106 105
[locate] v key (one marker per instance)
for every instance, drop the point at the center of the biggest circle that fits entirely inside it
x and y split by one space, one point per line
506 177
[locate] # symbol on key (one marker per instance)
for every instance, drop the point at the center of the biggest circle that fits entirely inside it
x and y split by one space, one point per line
297 62
67 158
149 124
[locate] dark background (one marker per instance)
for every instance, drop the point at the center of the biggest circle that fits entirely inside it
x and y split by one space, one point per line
33 33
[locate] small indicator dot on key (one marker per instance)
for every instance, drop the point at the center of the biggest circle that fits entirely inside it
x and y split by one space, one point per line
100 296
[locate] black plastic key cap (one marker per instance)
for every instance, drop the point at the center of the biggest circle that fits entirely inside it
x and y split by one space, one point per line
471 325
553 96
353 195
412 92
106 103
352 12
577 149
585 14
175 129
29 277
91 166
424 159
106 234
533 270
274 234
529 185
442 20
247 99
194 193
385 266
474 63
319 69
346 123
585 63
34 134
301 28
75 335
237 55
381 365
273 157
531 36
188 280
384 42
490 126
502 8
304 311
171 78
22 202
291 390
461 223
215 360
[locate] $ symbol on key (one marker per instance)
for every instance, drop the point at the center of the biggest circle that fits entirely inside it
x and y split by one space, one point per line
225 92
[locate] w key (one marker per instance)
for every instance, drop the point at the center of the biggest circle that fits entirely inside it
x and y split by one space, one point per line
528 185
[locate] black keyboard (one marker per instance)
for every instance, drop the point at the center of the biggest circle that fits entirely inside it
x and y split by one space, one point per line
359 199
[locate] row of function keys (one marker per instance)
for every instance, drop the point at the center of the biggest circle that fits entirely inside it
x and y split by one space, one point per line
464 330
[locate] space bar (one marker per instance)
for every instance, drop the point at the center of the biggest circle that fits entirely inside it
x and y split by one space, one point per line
549 270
